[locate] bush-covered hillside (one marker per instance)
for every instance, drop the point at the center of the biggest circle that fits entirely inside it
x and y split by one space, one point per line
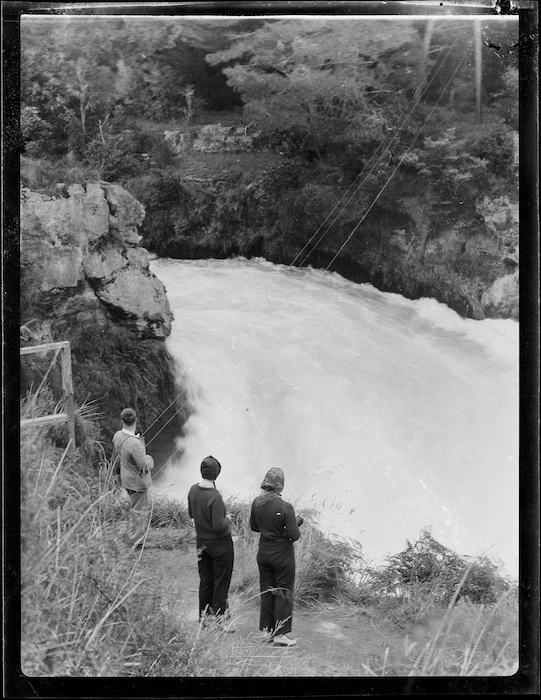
388 149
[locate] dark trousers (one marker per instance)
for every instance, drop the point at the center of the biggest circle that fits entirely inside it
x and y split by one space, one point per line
276 562
215 563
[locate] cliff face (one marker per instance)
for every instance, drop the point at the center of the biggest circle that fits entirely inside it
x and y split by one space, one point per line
468 261
82 265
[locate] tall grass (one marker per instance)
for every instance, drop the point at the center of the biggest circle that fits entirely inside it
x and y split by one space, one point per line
464 639
84 602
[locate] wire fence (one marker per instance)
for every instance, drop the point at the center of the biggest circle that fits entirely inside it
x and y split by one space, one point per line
46 388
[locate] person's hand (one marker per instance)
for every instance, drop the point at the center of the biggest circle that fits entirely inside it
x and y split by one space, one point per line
300 520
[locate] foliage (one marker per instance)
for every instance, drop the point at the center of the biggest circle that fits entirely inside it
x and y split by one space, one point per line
449 169
34 130
115 370
463 164
429 566
44 174
79 73
314 78
325 567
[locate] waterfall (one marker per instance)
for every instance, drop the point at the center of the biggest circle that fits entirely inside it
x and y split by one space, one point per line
387 415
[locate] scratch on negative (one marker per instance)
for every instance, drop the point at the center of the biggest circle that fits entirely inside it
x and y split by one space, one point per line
261 285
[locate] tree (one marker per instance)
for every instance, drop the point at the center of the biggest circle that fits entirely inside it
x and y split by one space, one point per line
318 77
82 73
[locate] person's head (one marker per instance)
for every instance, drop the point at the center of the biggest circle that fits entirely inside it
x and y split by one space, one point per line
128 417
210 468
273 481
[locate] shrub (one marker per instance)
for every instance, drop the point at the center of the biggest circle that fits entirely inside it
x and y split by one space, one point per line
428 571
35 132
325 566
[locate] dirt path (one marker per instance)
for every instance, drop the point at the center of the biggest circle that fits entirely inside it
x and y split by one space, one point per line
333 640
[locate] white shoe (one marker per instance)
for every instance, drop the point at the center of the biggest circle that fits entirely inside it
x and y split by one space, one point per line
265 636
283 640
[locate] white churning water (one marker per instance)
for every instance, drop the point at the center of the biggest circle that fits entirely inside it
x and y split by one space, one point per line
387 414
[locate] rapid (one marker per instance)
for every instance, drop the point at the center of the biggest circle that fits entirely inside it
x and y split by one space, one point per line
387 415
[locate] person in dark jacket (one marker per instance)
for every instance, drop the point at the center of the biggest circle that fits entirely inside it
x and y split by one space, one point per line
215 553
135 467
275 520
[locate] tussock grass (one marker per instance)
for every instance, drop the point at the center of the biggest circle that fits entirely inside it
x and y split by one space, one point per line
86 608
461 640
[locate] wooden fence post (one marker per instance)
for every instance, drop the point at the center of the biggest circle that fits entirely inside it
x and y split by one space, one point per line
67 386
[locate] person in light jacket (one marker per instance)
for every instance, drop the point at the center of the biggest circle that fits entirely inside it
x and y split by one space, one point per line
135 468
214 542
275 519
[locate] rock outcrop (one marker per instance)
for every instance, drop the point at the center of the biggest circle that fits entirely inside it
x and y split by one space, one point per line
211 138
501 300
80 256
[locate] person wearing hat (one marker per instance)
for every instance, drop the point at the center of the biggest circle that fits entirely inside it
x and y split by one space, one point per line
275 519
214 542
135 468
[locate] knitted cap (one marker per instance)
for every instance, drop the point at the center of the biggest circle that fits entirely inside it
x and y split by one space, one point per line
274 480
210 468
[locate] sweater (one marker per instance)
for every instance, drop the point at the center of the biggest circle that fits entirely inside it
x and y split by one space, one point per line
135 464
206 507
275 520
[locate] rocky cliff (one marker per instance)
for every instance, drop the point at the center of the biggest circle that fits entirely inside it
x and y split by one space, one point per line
81 264
464 254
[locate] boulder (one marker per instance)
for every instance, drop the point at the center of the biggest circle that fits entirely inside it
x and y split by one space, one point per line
213 138
80 255
178 141
499 213
501 300
139 298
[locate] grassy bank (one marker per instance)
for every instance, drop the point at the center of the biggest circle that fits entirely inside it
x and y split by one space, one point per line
92 607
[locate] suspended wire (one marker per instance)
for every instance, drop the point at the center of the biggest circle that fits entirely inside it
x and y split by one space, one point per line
399 163
167 422
164 411
366 165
